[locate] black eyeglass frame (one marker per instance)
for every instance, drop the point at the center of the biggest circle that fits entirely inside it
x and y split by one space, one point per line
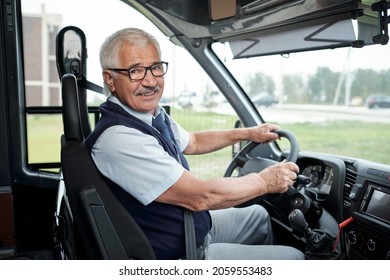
150 68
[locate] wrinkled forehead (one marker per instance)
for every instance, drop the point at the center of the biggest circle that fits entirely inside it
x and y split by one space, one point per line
142 54
142 42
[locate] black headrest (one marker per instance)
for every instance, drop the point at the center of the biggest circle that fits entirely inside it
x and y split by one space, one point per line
73 129
71 51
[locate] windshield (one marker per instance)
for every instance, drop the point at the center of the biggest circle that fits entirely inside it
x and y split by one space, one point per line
320 95
328 98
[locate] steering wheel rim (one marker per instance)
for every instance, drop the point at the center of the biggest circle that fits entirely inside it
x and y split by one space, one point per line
242 156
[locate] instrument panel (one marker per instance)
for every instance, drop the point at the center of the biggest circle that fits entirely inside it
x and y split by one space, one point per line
321 178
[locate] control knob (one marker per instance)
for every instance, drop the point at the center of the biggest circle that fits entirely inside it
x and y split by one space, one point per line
371 244
352 237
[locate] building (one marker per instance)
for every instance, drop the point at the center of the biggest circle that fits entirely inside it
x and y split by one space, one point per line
42 81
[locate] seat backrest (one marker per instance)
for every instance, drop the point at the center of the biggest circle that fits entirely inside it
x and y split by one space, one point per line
103 228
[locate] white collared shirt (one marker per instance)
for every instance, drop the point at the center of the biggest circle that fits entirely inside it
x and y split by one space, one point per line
136 161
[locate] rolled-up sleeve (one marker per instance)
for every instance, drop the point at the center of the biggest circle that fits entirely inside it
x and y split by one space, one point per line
136 162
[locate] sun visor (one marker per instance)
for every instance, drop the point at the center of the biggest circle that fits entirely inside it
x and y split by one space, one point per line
333 32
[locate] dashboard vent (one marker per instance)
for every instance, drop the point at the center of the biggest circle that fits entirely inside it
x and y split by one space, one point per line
350 179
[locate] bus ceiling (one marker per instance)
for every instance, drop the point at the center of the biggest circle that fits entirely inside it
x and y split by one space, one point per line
257 28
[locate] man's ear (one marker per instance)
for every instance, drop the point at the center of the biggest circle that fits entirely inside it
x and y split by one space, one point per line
108 79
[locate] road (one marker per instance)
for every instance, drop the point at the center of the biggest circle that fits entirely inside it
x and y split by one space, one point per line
319 113
292 113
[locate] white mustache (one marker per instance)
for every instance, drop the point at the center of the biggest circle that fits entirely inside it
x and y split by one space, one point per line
147 90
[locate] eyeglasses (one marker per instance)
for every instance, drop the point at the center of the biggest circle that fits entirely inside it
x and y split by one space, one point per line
139 72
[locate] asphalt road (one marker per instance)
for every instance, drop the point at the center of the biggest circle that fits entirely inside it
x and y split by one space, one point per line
319 113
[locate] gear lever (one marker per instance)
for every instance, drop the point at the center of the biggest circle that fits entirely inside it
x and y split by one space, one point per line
319 243
297 221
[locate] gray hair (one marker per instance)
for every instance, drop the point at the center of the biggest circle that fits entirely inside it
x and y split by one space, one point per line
109 51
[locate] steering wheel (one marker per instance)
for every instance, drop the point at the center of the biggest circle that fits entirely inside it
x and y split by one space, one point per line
257 164
286 202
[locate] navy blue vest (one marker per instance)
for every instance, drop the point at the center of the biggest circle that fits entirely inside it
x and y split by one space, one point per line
163 224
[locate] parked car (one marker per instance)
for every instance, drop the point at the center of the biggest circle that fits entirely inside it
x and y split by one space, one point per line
378 101
265 100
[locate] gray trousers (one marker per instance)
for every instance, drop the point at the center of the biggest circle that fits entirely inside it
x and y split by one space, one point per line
244 234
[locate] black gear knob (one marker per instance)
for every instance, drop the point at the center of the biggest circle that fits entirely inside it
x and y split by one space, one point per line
319 244
297 220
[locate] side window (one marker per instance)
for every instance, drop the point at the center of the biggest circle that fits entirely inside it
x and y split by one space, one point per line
42 88
195 101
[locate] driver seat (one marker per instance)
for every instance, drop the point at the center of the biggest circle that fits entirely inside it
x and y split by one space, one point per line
103 229
90 222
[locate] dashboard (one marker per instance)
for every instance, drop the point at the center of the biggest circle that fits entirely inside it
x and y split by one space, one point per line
346 189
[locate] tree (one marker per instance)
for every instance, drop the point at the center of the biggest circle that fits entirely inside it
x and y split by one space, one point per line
294 89
368 81
260 83
321 87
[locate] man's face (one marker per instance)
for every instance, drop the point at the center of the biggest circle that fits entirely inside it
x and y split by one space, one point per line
140 95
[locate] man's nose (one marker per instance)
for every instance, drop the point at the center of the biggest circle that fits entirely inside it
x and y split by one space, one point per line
149 77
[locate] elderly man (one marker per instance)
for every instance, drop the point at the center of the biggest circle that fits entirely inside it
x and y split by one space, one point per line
140 150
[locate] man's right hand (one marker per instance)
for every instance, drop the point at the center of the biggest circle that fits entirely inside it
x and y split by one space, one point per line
280 177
